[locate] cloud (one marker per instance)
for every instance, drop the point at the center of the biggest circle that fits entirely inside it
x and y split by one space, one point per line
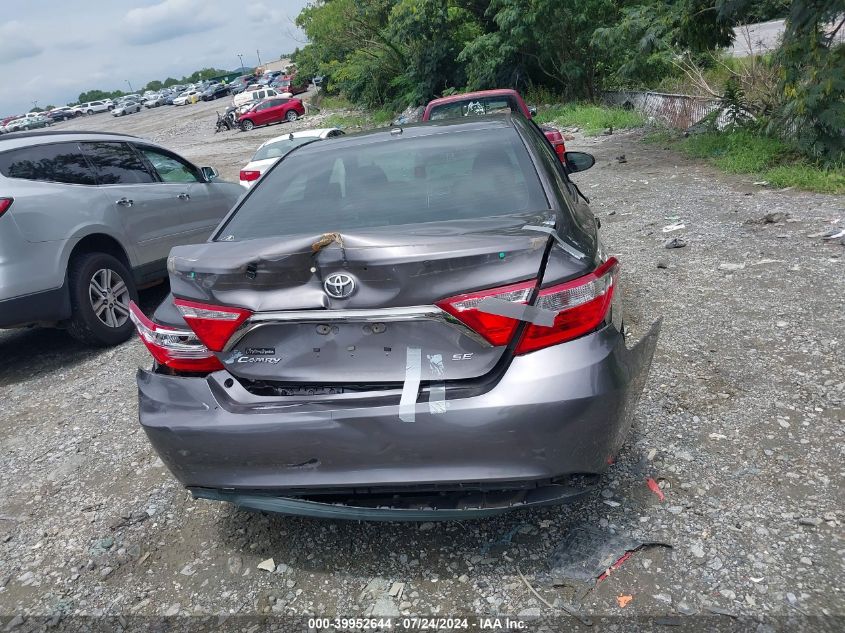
168 20
14 45
261 13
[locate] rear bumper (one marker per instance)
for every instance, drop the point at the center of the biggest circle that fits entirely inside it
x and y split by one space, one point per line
559 412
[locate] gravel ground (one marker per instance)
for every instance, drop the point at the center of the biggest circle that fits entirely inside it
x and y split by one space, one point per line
740 425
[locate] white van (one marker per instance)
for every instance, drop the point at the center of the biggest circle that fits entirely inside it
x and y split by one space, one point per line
253 95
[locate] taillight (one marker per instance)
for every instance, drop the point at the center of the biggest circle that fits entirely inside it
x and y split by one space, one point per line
560 150
5 203
497 330
581 306
178 349
213 324
249 175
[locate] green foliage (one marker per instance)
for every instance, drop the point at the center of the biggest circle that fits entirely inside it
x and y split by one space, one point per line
748 152
813 80
99 95
734 105
591 119
155 86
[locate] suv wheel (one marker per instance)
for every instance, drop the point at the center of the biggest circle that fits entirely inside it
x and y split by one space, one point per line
90 112
291 116
247 125
100 290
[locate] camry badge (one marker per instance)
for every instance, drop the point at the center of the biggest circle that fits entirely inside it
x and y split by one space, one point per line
339 285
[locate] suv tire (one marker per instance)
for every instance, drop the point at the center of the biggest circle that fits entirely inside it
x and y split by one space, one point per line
292 116
90 112
97 279
247 125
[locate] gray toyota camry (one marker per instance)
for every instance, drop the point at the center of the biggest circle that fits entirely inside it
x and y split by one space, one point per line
412 323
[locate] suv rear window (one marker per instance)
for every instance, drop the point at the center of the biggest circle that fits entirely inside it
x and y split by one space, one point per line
435 178
57 162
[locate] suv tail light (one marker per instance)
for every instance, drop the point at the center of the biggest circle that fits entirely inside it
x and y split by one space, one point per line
249 175
214 325
178 349
5 203
581 306
496 330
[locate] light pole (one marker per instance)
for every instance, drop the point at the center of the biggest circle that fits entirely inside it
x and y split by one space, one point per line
241 58
259 56
130 86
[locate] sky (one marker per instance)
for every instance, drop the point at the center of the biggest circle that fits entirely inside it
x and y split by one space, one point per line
54 49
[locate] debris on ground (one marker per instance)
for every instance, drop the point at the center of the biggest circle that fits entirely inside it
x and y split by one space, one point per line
676 226
267 565
774 217
675 242
623 601
621 159
655 488
586 554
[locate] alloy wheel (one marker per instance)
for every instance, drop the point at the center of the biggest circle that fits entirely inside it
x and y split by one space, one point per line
109 297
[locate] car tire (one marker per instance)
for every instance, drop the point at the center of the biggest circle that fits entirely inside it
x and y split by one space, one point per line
291 116
90 112
247 125
88 275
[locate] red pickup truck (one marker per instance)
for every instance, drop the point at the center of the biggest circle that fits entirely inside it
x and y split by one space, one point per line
487 102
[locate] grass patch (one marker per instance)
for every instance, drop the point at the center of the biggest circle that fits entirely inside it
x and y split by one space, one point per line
592 119
769 159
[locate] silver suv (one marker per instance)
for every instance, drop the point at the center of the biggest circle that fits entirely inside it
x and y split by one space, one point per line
86 218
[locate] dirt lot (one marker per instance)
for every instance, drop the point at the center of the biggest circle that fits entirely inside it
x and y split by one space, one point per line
741 424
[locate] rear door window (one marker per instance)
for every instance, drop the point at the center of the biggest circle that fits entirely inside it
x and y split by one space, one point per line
435 178
117 164
57 162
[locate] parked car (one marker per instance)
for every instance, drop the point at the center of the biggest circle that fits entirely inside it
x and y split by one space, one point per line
294 85
155 101
489 102
253 94
452 348
92 107
189 96
271 151
236 88
86 218
215 91
274 110
126 107
27 123
61 114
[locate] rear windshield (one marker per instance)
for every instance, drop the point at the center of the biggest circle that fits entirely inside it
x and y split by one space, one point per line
436 178
280 148
478 106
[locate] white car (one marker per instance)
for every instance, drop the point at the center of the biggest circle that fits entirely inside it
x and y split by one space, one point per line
268 153
253 95
186 97
92 107
126 107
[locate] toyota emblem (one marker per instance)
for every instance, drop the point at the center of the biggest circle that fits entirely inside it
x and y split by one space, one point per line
339 285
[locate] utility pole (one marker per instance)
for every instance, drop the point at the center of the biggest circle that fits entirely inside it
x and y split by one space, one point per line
130 86
241 58
258 54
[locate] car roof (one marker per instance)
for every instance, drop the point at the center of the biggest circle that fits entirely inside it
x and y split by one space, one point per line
315 132
26 139
498 92
415 130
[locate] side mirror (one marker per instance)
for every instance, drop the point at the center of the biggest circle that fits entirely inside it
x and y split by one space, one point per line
209 173
579 161
532 110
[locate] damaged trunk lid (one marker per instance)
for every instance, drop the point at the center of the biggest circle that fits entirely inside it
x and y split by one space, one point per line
359 306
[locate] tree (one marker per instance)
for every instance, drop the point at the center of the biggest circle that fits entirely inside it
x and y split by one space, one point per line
813 83
154 86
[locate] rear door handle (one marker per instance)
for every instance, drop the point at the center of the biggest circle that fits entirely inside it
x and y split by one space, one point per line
184 196
125 202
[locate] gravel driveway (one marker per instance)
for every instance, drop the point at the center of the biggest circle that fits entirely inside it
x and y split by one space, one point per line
740 426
